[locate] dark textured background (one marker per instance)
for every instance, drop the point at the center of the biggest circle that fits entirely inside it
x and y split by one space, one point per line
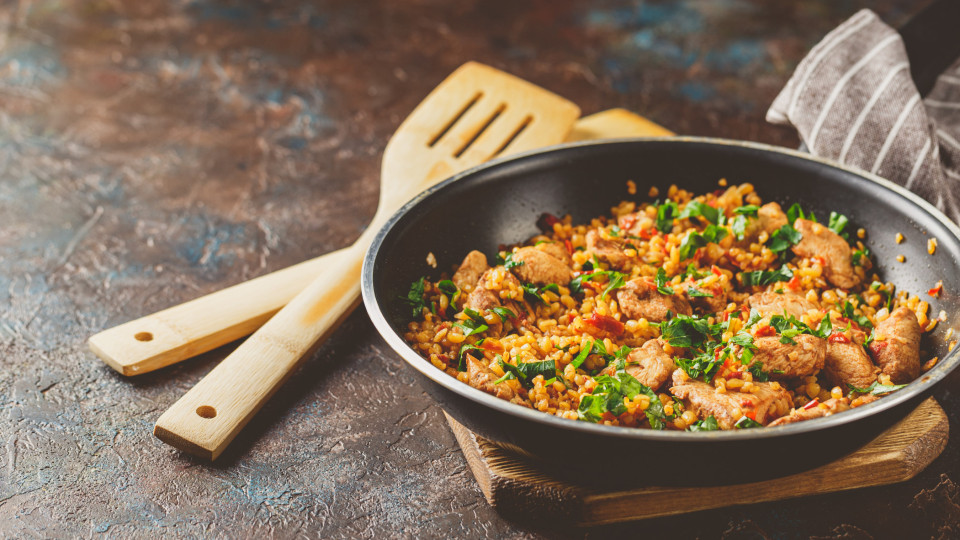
151 152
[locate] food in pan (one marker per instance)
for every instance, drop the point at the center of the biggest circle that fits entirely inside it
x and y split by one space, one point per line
689 313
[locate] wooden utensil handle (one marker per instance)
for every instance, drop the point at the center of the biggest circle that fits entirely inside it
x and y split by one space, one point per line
203 324
195 327
209 416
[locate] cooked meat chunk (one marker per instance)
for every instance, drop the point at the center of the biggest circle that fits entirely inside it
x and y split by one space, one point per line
801 359
481 299
819 241
828 407
896 348
847 363
770 217
540 268
650 365
639 299
770 303
608 251
730 199
709 304
557 250
481 377
770 401
470 270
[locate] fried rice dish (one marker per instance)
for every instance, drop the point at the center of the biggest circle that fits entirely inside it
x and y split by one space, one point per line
684 312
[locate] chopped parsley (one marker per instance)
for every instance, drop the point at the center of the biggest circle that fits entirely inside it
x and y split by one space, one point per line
745 423
739 226
696 240
837 223
876 388
525 372
661 280
608 397
467 348
688 331
859 255
747 210
694 292
699 209
666 212
503 313
474 325
533 292
710 424
796 212
783 238
415 297
861 320
615 280
764 277
508 262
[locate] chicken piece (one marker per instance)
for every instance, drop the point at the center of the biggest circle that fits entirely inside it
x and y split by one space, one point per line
481 377
556 250
639 299
730 199
481 300
896 348
540 268
787 361
769 401
470 270
650 365
847 363
819 241
770 217
709 304
769 303
608 251
819 410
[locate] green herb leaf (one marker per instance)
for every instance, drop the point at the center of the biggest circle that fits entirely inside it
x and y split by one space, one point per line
415 297
859 256
666 212
694 292
503 313
746 423
756 369
525 372
508 262
466 348
861 320
688 331
699 209
506 377
696 240
876 388
837 223
764 277
783 238
661 280
739 226
710 424
747 210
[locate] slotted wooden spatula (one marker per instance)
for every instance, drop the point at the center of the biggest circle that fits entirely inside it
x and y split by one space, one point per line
474 115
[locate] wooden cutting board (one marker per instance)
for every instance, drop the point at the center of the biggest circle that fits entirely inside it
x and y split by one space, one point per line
519 488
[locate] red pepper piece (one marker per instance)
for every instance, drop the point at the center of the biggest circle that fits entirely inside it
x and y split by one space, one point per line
604 323
838 337
764 330
811 404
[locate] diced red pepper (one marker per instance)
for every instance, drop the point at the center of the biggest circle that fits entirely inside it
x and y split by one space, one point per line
751 414
820 260
935 292
877 346
764 330
604 323
609 416
735 375
494 346
628 221
716 270
714 203
794 283
811 404
838 337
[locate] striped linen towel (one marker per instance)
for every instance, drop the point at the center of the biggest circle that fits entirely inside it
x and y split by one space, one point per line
852 100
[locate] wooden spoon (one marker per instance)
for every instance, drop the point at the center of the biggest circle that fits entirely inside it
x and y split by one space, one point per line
476 114
203 324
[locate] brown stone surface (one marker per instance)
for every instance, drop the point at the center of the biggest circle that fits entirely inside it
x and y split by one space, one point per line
151 152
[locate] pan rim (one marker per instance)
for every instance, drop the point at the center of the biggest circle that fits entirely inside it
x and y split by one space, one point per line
921 386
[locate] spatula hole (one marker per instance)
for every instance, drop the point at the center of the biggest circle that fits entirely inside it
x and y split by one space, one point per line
143 336
454 120
480 131
206 411
523 125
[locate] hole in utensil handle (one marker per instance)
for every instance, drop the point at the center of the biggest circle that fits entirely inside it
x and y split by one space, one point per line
206 411
143 336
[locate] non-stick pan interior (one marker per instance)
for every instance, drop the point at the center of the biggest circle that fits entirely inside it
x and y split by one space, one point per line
499 204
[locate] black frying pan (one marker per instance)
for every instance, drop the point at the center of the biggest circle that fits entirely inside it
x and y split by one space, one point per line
499 203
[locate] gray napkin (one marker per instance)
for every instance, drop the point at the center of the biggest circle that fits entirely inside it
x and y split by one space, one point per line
852 100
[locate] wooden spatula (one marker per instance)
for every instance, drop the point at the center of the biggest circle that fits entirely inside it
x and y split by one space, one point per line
474 115
203 324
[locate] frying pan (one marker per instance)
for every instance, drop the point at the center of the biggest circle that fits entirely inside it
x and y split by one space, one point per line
499 202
